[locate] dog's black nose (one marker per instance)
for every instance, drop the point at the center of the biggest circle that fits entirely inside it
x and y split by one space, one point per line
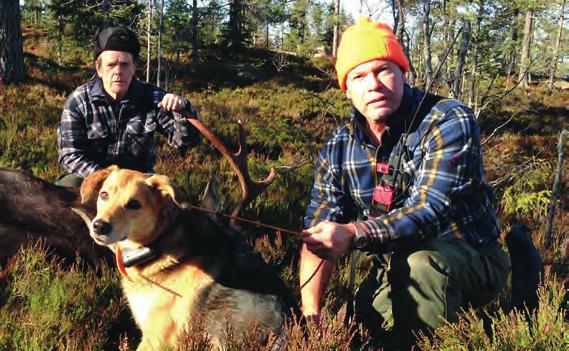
101 227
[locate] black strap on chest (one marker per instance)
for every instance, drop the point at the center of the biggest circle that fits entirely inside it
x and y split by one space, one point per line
392 182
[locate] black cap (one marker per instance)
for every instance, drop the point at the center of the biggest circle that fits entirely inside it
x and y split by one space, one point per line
117 39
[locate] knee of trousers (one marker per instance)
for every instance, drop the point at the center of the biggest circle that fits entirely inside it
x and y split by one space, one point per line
421 279
426 267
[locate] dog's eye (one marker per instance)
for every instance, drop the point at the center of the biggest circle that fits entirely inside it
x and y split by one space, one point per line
103 195
133 205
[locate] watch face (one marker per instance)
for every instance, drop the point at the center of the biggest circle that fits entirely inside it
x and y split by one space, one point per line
360 241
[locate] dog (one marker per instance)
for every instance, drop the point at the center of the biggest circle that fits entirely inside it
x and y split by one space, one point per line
193 265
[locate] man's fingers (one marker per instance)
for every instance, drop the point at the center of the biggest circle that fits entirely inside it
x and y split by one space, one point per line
312 240
170 102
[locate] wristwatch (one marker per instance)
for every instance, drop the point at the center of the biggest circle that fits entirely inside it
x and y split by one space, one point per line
360 241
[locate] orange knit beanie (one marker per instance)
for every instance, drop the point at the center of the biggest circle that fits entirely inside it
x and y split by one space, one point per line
365 41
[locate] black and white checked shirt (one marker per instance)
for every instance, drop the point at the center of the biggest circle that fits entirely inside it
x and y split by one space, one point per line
96 132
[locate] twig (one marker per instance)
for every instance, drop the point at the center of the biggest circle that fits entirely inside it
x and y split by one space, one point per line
556 189
495 130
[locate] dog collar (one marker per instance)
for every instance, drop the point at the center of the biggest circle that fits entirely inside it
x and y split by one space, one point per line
138 256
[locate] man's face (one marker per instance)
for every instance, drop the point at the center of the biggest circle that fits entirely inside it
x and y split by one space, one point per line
376 89
116 69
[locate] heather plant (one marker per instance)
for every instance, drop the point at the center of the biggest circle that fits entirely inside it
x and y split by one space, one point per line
546 328
47 304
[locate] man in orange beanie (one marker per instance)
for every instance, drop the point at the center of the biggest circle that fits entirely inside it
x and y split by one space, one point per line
404 182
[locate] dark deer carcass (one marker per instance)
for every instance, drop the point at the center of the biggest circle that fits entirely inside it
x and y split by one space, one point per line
31 208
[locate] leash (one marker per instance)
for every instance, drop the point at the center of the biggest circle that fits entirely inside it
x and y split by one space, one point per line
245 220
259 224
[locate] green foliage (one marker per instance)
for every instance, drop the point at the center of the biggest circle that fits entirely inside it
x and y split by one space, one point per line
527 196
48 305
28 136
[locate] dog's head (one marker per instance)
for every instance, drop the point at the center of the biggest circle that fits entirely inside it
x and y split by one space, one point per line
132 207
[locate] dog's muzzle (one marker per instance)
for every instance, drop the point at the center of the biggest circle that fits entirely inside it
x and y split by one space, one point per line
101 227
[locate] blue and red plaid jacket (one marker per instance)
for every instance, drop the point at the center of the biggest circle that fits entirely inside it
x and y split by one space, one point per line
448 194
95 133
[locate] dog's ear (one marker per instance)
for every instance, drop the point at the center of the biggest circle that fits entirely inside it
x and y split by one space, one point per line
167 188
93 183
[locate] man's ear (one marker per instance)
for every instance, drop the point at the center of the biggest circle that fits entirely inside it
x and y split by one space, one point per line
93 183
98 66
168 189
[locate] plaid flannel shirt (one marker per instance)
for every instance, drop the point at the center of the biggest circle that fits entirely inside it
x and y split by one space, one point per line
448 194
95 132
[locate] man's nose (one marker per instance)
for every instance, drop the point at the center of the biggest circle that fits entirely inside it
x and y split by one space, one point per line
373 81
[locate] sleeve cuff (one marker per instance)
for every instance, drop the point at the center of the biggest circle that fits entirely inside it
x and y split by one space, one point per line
379 233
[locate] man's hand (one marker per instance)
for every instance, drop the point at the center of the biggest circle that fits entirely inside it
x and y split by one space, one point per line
328 240
171 102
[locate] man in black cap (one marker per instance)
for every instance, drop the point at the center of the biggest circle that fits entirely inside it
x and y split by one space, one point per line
112 118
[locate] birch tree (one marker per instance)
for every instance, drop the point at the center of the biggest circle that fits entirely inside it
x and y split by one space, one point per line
335 40
524 75
461 58
473 82
557 46
159 44
427 41
148 39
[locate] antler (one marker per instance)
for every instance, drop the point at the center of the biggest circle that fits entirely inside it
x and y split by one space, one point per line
250 188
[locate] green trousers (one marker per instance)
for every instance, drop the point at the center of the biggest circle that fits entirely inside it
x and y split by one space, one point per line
70 181
417 289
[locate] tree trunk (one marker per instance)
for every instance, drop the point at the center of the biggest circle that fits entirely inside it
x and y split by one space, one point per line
60 28
446 75
557 184
400 23
395 16
160 29
106 11
427 42
511 53
524 75
148 39
399 11
412 71
462 51
473 84
235 25
195 55
267 36
557 45
335 40
12 68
